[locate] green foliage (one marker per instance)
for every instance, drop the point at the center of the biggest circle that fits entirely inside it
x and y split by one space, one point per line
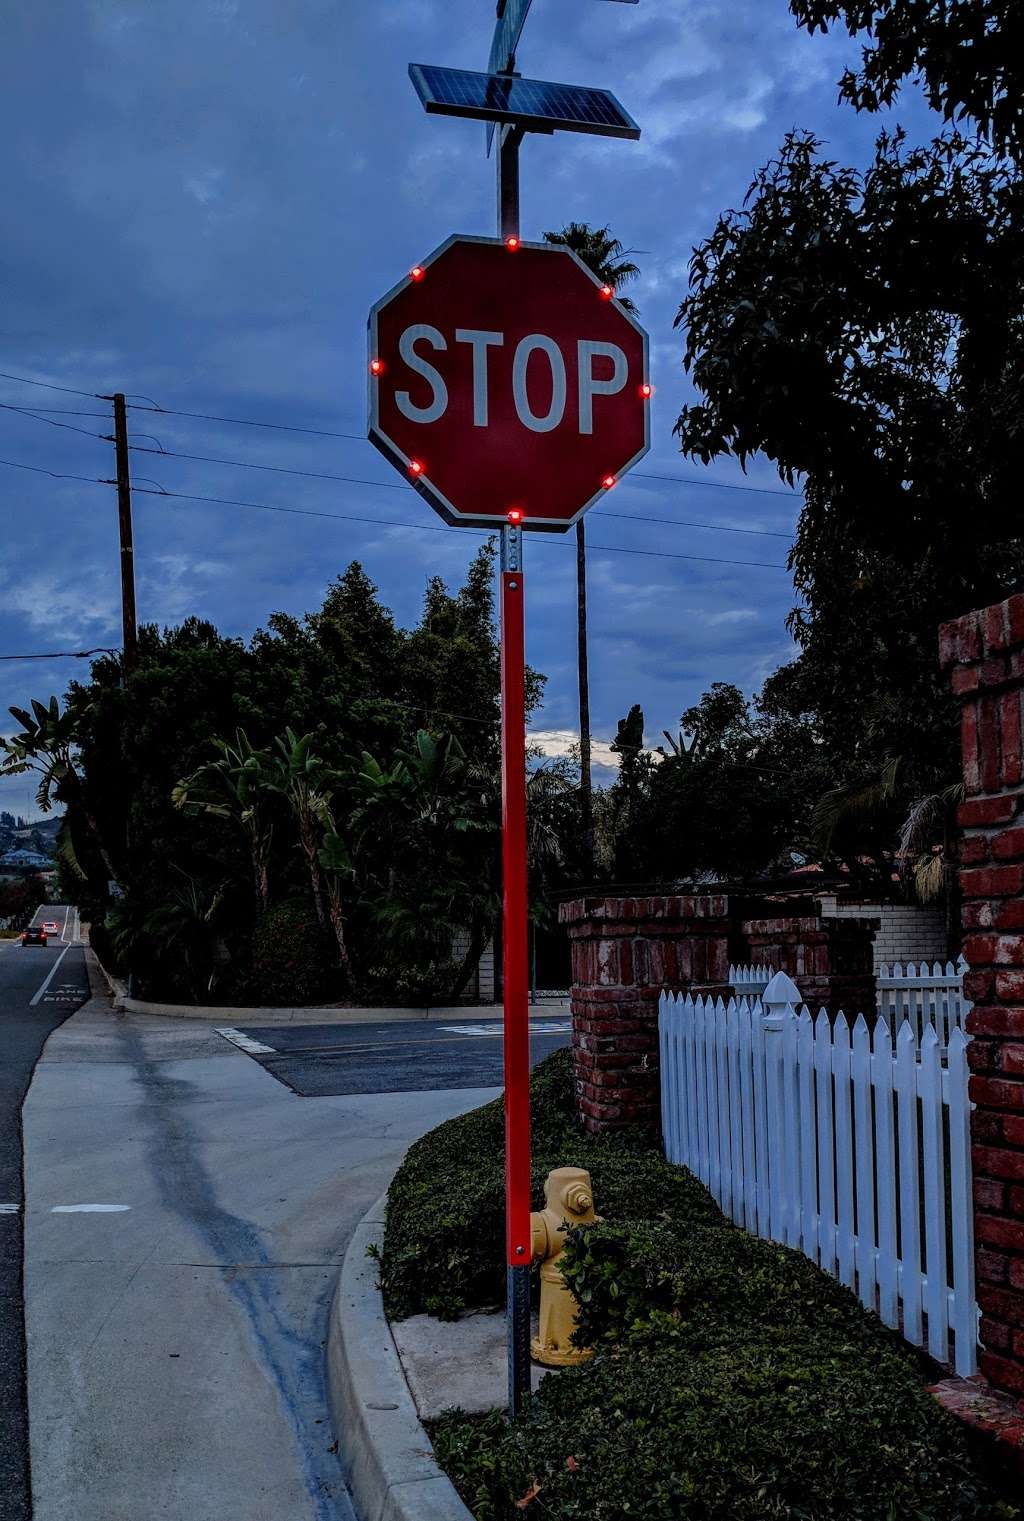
865 330
603 255
292 957
967 54
815 1427
648 1282
239 766
445 1217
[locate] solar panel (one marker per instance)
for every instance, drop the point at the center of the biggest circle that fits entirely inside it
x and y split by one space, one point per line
535 104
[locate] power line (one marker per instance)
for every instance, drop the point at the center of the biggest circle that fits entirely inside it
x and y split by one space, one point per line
251 422
635 517
316 475
57 475
60 412
617 549
102 649
183 496
38 417
696 480
46 385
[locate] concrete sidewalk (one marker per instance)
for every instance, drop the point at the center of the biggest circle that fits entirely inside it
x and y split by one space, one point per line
176 1358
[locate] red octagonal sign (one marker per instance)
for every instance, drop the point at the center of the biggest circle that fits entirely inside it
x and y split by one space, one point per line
505 378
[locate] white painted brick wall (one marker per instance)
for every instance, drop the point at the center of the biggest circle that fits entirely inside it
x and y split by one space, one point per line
907 933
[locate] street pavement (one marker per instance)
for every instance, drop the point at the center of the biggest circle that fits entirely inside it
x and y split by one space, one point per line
39 988
319 1060
187 1216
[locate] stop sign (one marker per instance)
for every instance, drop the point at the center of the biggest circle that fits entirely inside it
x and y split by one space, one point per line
504 376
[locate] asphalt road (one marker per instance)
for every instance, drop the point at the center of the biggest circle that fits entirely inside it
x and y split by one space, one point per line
319 1061
39 988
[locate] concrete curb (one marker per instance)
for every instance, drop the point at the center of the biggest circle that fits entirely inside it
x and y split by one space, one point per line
313 1014
392 1473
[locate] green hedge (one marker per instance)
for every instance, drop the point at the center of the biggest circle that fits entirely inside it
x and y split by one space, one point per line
734 1381
652 1282
813 1428
444 1233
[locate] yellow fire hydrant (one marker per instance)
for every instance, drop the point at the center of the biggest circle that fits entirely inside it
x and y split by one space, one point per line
569 1201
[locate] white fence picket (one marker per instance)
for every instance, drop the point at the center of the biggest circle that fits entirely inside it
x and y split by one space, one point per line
864 1161
930 1091
883 1079
839 1147
964 1317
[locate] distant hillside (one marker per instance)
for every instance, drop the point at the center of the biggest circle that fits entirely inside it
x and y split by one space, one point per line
38 835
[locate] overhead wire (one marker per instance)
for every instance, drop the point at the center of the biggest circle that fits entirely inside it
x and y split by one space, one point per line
184 496
38 417
48 385
101 649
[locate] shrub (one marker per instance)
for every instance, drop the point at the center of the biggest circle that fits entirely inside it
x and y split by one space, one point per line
815 1427
650 1281
293 959
445 1224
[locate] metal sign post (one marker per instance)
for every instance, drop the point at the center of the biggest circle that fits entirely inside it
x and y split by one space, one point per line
518 1229
454 341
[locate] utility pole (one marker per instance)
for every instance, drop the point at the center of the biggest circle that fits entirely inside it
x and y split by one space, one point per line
586 789
124 518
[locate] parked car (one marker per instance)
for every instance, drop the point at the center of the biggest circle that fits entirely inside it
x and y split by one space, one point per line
34 935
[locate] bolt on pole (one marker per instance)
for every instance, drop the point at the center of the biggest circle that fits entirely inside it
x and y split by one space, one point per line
518 1229
124 516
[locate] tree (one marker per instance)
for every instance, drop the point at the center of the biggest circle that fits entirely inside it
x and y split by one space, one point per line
606 258
968 54
865 331
234 786
48 745
297 773
425 841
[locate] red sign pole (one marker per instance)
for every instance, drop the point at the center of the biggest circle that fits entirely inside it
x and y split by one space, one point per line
518 1233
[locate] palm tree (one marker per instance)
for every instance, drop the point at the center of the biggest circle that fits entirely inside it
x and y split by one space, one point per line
606 258
303 779
48 745
234 786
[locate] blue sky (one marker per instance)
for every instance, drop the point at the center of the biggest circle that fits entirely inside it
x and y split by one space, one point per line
204 198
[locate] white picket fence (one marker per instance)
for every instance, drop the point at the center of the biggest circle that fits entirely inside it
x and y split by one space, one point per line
925 995
921 993
823 1139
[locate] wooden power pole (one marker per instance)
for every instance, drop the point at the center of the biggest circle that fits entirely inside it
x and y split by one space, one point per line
124 517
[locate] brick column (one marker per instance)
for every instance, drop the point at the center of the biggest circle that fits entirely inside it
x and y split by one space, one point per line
984 653
830 960
625 952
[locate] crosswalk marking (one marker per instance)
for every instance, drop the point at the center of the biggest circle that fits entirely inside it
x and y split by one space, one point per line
246 1042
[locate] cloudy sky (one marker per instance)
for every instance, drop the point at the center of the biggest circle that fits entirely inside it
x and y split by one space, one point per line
204 197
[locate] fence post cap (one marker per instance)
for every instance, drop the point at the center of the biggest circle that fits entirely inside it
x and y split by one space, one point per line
782 990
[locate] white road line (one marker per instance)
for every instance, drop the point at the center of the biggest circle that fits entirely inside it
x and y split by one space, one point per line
246 1042
64 931
89 1209
36 997
9 1209
548 1028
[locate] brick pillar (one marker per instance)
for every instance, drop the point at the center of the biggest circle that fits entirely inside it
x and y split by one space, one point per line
984 653
830 960
625 952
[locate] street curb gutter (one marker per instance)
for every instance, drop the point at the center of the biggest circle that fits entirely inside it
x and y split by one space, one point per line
392 1473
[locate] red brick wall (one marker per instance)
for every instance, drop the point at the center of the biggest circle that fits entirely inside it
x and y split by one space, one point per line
984 653
625 952
830 960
